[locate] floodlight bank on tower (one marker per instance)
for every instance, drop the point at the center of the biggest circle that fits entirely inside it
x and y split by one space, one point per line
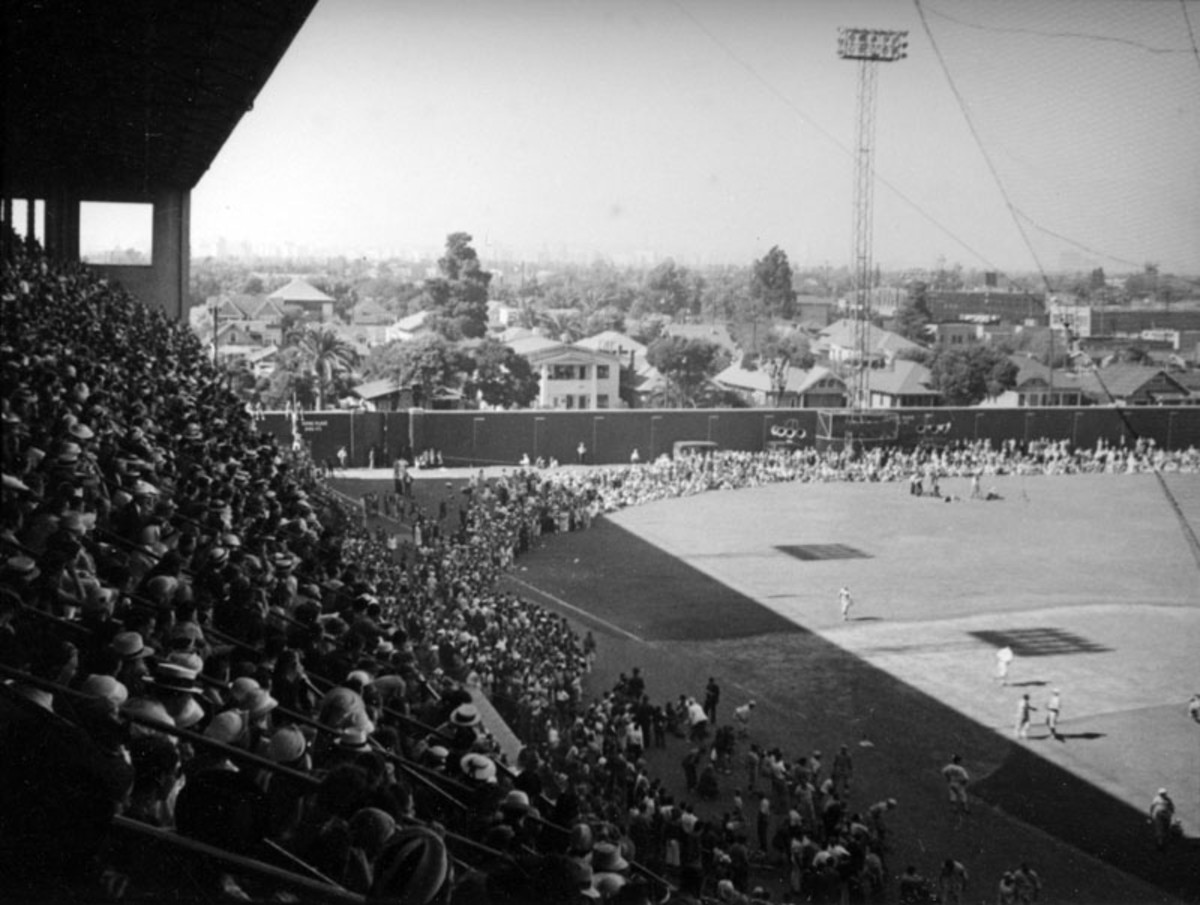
857 427
869 46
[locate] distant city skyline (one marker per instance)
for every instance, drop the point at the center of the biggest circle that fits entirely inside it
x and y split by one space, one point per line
710 132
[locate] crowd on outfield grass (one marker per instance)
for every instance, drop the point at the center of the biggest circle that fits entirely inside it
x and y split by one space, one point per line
197 636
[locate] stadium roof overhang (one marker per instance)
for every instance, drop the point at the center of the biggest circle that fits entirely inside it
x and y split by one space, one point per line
118 99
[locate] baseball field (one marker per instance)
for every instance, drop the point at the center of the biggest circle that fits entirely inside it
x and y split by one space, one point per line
1092 580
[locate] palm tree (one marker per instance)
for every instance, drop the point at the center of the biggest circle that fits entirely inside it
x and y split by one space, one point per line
562 325
326 356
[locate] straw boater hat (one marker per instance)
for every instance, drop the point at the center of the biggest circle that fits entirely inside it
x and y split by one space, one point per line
465 716
172 677
478 767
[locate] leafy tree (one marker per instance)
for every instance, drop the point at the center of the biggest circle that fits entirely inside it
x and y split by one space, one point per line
290 382
779 353
966 376
914 316
327 357
426 363
501 377
771 284
671 289
726 292
460 294
254 285
687 364
601 319
646 329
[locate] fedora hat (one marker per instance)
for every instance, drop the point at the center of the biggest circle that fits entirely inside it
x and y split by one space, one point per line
607 858
414 867
106 687
129 646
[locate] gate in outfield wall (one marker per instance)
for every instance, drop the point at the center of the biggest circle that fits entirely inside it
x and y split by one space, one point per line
483 438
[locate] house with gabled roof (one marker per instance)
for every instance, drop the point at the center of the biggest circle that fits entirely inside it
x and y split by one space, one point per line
571 377
1130 384
305 298
816 387
409 327
837 342
1038 385
370 313
902 383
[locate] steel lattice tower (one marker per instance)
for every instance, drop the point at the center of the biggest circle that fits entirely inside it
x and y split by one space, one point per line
869 47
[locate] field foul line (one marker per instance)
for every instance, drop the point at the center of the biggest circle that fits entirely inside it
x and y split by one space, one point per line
616 629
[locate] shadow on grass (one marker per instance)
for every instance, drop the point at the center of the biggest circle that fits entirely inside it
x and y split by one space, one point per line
624 580
1043 794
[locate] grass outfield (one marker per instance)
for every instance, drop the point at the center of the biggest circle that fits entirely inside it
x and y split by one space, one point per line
1092 578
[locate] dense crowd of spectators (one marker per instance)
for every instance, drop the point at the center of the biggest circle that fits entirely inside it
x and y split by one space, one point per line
197 636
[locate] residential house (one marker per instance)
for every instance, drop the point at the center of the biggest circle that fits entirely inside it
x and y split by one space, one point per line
304 298
408 328
837 343
571 377
816 387
389 396
901 384
1037 385
1128 384
370 313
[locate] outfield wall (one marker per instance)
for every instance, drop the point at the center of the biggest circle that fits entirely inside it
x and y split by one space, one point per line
472 438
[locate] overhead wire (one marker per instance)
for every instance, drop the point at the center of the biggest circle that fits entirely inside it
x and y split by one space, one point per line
1066 35
1187 19
1022 219
833 139
987 157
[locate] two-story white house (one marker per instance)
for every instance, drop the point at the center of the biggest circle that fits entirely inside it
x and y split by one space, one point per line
571 377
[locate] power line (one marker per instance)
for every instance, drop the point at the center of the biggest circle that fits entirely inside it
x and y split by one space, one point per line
987 158
1068 35
833 139
1191 32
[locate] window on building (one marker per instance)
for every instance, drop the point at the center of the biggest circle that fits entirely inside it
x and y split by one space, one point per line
584 401
602 400
562 372
602 372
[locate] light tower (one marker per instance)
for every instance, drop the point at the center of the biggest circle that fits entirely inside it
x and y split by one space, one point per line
869 46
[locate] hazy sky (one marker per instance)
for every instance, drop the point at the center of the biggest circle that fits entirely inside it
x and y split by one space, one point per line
711 130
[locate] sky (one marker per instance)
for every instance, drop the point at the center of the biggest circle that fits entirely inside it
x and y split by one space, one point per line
1029 133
